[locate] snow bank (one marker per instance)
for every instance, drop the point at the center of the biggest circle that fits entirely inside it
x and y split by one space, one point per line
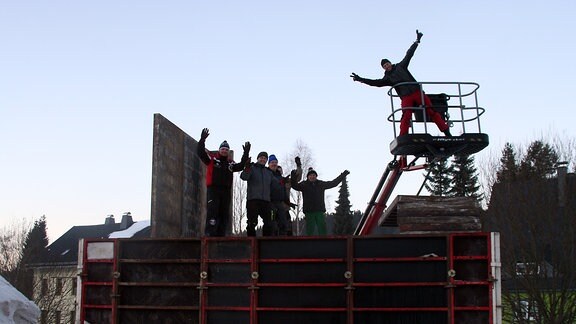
15 308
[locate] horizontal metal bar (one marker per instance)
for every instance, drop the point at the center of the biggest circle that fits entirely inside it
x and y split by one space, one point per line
98 306
97 283
336 260
302 309
159 261
159 284
228 260
302 284
149 307
400 309
399 284
411 259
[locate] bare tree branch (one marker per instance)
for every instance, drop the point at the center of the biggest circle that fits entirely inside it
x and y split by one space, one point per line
538 233
306 157
238 204
12 238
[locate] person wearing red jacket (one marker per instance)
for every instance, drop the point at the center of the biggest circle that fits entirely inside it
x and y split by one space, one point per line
219 175
410 94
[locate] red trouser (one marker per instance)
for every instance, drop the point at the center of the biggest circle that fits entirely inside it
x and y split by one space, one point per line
414 100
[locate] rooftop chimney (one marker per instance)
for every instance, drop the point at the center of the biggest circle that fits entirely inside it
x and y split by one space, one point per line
109 220
562 170
126 221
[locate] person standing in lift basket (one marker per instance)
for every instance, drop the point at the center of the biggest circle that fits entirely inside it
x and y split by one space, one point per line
410 94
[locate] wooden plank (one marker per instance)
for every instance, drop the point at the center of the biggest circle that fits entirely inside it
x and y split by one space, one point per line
439 220
431 213
390 216
437 206
446 227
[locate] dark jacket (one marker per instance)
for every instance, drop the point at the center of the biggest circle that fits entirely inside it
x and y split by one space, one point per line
313 193
259 179
219 168
398 74
279 191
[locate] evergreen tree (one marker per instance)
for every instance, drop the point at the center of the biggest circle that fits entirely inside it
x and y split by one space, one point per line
343 213
508 170
537 234
464 178
34 250
438 181
356 216
539 161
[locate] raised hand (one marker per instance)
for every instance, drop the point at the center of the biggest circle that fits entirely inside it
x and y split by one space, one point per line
418 35
246 147
204 135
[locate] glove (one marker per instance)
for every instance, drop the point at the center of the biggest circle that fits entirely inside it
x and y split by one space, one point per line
204 135
246 147
418 36
298 162
355 76
345 173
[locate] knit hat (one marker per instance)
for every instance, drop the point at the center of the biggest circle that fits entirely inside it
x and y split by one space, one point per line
224 144
272 158
384 61
310 171
262 154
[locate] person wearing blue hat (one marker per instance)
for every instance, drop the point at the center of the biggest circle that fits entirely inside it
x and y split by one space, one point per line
280 198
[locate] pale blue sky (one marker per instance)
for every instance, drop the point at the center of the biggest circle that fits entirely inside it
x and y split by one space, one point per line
80 82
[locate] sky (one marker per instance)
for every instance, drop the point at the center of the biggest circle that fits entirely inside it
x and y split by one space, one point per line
80 82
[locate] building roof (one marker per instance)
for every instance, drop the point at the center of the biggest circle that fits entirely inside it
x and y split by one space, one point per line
65 248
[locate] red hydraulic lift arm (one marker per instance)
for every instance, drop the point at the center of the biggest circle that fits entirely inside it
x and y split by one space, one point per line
375 207
383 192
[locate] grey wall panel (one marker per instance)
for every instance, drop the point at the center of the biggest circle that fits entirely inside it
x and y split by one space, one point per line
178 187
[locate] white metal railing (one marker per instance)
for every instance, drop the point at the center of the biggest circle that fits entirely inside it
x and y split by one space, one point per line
463 112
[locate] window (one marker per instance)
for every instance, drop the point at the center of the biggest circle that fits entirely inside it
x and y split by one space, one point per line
72 317
74 286
44 317
58 290
528 311
528 269
44 287
57 315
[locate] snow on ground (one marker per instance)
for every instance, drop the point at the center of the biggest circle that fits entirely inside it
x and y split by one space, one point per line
15 308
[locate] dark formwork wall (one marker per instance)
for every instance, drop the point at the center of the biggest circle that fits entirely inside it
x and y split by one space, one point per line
321 280
178 187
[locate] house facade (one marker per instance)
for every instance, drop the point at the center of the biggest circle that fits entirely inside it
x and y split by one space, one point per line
56 276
